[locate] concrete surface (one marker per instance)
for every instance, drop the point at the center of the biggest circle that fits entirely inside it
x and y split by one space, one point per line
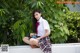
56 48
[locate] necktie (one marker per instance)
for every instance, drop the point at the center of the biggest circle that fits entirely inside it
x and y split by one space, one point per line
37 24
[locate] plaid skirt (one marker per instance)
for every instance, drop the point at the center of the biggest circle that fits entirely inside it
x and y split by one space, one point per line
45 45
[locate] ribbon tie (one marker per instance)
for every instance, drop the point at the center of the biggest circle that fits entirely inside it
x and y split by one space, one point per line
37 24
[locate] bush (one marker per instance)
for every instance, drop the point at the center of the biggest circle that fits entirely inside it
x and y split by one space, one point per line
16 20
73 20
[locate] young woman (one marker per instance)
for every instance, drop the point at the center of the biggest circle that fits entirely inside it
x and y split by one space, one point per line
41 37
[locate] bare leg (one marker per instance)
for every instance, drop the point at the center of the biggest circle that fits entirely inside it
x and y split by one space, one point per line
34 41
26 40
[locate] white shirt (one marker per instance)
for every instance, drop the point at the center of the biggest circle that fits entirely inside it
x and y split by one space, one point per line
43 25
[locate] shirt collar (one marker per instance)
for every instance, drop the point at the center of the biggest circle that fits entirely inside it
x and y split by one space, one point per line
40 19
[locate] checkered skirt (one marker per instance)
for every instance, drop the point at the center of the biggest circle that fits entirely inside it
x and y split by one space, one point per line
45 45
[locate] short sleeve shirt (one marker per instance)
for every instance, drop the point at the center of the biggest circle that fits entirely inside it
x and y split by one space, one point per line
43 25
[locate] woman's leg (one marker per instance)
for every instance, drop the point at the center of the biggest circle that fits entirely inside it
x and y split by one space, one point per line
34 42
26 40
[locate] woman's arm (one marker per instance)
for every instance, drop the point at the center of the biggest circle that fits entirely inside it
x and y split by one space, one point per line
31 34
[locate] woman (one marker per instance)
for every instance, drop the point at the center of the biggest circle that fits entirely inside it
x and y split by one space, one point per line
41 37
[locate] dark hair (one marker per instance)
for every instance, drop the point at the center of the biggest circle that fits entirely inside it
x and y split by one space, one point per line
37 10
34 19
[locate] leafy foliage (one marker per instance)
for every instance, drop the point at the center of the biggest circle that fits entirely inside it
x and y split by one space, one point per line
73 22
16 19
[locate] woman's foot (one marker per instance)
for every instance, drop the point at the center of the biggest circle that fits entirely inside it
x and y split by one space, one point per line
34 46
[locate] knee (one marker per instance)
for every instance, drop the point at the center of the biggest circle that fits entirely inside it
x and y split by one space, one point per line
31 40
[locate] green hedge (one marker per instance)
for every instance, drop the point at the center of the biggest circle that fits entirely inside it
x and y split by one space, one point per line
16 20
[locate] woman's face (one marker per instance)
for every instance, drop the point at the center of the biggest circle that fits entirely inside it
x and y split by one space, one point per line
37 15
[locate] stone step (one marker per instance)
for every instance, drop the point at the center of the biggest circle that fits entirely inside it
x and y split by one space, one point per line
56 48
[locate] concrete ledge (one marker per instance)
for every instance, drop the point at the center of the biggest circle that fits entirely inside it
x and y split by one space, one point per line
56 48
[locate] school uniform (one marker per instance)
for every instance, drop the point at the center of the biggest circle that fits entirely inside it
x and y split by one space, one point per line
44 43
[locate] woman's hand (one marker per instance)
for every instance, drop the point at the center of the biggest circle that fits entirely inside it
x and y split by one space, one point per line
31 34
38 38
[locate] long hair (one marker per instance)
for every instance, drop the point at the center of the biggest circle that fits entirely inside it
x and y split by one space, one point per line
34 19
